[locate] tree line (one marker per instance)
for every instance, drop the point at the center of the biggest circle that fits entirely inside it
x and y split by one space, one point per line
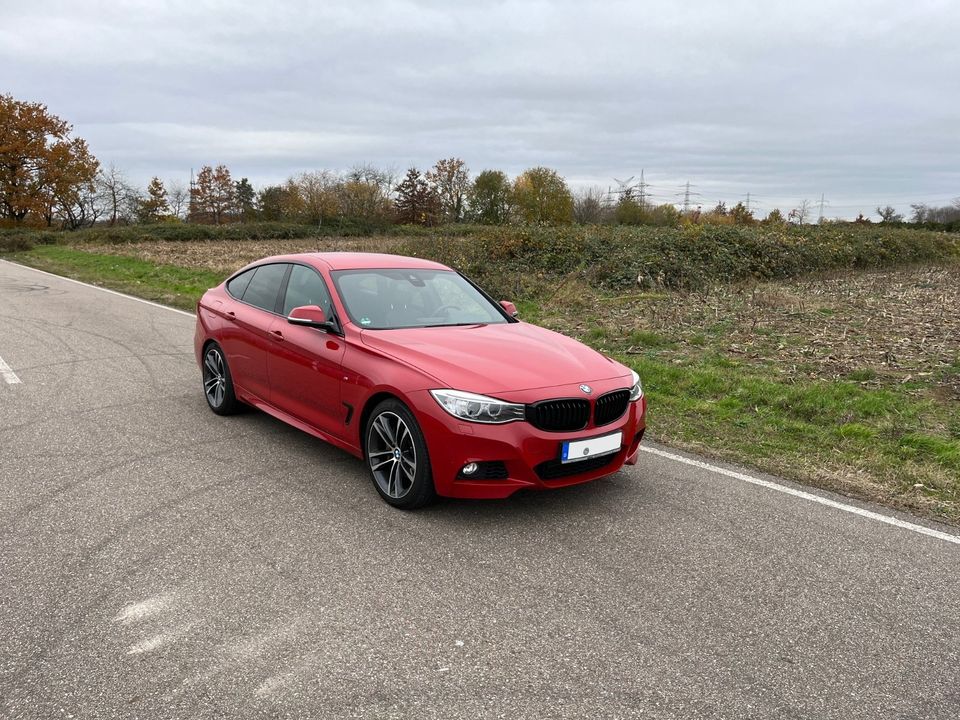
49 178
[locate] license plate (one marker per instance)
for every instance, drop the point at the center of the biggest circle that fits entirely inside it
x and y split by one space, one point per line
574 450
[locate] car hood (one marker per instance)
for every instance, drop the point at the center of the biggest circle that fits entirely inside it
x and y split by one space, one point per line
495 358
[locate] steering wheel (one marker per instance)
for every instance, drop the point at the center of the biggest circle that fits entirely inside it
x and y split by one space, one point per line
448 306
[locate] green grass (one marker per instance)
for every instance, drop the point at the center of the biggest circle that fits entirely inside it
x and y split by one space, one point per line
881 444
169 284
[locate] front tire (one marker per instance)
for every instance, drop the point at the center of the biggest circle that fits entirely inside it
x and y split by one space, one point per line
397 458
218 382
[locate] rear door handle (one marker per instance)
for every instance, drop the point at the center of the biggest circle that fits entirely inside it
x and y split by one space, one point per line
231 315
276 335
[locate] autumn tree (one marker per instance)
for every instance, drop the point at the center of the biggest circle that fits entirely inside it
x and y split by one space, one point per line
364 196
213 196
540 195
450 181
417 202
153 205
312 197
489 198
41 166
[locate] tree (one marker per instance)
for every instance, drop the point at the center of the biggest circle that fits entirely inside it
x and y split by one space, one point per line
153 207
178 198
540 195
271 203
246 198
364 196
741 215
213 196
774 218
889 214
489 198
417 202
800 214
41 166
450 181
312 197
118 196
589 206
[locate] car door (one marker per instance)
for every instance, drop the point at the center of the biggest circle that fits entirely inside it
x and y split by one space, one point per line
304 363
245 338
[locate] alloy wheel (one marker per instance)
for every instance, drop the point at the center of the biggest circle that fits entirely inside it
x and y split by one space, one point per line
392 454
214 377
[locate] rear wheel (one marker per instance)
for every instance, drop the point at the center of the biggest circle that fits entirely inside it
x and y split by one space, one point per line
217 382
397 457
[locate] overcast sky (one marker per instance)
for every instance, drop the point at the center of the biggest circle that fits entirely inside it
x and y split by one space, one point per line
859 101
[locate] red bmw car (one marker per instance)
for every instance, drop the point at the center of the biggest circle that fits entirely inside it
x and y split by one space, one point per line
408 365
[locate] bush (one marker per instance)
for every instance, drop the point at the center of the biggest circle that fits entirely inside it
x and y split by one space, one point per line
517 261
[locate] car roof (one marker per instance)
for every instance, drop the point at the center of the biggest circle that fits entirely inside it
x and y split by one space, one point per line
357 261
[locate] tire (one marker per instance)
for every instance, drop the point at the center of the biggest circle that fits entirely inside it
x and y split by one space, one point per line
396 456
218 382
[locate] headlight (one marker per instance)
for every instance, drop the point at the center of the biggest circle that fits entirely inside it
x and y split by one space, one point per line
478 408
636 392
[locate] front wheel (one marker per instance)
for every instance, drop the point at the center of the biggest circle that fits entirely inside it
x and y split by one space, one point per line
396 454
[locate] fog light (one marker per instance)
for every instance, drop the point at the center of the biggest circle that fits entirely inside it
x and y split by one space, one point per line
470 468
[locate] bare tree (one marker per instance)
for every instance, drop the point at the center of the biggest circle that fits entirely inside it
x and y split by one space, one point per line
800 214
889 214
178 198
116 194
589 205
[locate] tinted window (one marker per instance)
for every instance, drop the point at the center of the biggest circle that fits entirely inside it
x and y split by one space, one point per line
306 287
384 299
265 286
237 285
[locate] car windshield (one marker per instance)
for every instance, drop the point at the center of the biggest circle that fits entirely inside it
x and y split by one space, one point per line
390 299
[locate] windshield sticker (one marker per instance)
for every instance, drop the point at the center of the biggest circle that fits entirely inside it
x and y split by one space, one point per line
365 321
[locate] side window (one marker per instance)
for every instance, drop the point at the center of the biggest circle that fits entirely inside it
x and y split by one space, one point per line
306 287
237 285
263 289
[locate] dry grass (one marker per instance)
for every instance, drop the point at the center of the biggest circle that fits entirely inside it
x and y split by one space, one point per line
225 256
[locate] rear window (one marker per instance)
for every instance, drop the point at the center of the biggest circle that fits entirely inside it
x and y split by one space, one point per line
263 289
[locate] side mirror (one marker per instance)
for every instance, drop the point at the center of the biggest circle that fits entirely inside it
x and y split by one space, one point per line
509 307
309 315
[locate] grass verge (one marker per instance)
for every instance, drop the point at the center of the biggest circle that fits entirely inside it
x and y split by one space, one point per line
179 287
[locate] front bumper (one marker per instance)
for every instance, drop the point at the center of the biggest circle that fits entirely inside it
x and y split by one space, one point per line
530 455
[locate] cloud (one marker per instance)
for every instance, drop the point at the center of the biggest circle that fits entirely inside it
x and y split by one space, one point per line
771 98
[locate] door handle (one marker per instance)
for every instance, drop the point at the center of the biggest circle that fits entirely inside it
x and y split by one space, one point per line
231 315
276 335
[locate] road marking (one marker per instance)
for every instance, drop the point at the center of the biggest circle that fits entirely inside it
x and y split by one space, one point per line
930 532
103 289
7 373
805 495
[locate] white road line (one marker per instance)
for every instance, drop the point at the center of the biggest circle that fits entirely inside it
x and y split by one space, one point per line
930 532
7 373
103 289
805 495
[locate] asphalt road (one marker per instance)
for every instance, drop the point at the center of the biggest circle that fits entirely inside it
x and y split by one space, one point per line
157 561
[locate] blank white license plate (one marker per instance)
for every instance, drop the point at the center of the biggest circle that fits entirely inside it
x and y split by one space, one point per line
575 450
